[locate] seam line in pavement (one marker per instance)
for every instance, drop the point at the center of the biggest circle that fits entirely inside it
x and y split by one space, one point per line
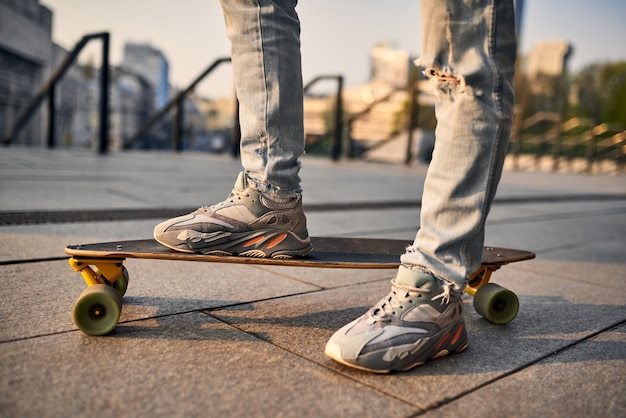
520 368
8 218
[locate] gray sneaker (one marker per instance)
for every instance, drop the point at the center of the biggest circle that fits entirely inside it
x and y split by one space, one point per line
419 320
246 224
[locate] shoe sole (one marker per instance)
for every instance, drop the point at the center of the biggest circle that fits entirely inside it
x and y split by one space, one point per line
453 341
257 244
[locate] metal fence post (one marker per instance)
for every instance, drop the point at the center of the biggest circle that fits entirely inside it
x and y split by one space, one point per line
51 116
103 133
179 123
338 125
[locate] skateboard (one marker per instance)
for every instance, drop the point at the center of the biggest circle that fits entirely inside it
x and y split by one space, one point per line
101 265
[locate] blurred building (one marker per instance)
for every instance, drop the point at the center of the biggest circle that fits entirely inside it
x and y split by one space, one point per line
28 57
132 104
74 99
26 50
150 63
548 58
373 107
390 66
544 69
207 123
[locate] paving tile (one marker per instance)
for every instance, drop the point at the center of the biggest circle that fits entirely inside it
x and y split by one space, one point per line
585 380
184 365
604 275
551 317
49 240
38 298
557 234
604 250
387 223
328 278
220 340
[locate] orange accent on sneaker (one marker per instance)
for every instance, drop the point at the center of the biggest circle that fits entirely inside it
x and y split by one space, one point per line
457 335
254 241
442 342
276 241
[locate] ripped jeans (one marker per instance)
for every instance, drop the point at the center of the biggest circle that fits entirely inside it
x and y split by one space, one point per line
468 52
469 49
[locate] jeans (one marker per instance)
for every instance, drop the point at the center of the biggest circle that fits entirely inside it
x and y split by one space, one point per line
469 50
267 70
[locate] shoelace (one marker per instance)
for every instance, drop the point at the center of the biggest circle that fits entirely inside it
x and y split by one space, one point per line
398 296
444 296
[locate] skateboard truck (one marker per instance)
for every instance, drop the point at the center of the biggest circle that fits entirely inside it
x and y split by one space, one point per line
493 302
98 308
107 271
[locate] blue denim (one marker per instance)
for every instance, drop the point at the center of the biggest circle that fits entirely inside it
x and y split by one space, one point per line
265 52
469 49
468 52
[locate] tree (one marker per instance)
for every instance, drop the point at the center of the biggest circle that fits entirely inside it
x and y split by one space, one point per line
599 93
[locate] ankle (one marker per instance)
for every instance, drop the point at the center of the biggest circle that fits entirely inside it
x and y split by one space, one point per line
413 277
278 199
275 202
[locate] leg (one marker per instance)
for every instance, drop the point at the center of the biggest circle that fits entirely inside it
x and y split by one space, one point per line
263 215
469 53
265 49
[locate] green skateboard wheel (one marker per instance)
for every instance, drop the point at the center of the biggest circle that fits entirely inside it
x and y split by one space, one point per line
121 284
97 310
496 304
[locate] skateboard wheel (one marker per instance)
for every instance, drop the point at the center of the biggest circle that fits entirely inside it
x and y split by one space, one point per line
97 310
496 304
121 284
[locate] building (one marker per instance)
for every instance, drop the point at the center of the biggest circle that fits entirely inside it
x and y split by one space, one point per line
28 57
372 108
390 66
132 104
25 63
544 72
549 59
74 98
150 63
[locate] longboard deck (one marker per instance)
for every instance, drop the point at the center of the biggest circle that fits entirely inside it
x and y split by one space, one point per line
98 308
328 252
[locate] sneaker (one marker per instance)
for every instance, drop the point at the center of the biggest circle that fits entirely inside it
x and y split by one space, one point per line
419 320
246 224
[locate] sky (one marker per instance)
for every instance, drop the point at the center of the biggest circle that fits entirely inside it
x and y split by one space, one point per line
337 35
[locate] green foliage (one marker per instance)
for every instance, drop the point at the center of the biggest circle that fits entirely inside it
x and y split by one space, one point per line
599 92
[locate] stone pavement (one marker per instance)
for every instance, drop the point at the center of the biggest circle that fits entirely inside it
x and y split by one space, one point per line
198 339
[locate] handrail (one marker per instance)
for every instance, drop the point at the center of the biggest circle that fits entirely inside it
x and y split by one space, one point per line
356 116
413 90
567 139
336 149
48 91
176 101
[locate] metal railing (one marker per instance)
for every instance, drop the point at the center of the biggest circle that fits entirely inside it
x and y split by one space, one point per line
48 91
352 119
578 140
176 103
